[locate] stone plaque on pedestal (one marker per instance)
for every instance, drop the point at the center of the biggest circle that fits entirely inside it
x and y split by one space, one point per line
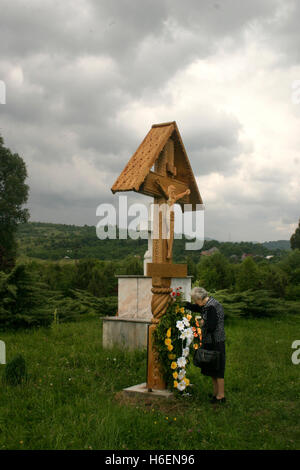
134 295
129 328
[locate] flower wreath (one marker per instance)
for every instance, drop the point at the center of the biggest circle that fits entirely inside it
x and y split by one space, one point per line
175 336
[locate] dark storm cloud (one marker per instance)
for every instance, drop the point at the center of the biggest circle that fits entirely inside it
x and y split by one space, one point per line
283 33
238 221
244 212
213 143
71 68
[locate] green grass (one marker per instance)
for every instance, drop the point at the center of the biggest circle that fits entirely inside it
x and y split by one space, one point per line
69 400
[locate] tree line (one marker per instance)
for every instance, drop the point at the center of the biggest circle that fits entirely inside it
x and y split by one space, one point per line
58 241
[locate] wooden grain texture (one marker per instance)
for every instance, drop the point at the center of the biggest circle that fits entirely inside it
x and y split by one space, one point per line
162 148
143 159
150 188
167 270
155 380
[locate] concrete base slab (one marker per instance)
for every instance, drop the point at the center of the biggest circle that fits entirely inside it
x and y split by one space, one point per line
125 333
141 390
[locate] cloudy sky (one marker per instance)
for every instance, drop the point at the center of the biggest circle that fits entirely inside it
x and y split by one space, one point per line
86 79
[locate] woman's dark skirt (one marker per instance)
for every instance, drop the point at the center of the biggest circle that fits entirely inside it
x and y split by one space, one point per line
207 369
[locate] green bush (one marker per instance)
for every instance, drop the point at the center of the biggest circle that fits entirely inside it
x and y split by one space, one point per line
81 304
26 301
292 292
275 279
215 272
249 275
15 371
291 265
251 303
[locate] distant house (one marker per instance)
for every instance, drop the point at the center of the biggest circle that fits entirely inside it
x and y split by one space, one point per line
246 255
210 252
269 256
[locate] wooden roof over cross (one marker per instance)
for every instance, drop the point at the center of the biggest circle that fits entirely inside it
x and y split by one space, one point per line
138 176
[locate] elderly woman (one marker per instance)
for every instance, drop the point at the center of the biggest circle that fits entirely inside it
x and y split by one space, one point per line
213 336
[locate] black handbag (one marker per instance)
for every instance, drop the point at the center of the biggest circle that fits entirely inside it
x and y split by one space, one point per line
205 357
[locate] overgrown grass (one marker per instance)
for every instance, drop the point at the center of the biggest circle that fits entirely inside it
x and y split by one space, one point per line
70 402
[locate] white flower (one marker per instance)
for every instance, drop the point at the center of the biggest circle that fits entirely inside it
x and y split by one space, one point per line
181 374
185 321
189 341
189 333
181 362
181 386
183 335
180 325
186 352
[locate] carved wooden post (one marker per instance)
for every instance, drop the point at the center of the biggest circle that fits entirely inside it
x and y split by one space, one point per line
163 148
160 286
160 299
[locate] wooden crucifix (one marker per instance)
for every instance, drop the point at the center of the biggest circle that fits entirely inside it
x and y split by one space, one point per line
171 181
171 199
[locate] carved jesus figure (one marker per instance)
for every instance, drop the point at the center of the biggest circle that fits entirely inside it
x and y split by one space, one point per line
172 198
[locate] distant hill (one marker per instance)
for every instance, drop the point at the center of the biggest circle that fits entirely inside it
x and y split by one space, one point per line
278 245
59 241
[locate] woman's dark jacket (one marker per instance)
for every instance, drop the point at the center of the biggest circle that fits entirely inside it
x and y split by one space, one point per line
213 315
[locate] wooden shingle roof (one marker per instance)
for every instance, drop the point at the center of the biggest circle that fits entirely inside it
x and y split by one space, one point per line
141 162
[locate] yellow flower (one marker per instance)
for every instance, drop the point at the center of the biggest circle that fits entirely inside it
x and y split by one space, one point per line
174 365
189 317
175 383
170 347
196 346
171 356
187 382
182 309
168 341
169 332
175 375
177 309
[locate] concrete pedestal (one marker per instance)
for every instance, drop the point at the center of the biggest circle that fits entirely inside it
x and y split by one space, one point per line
134 295
129 328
